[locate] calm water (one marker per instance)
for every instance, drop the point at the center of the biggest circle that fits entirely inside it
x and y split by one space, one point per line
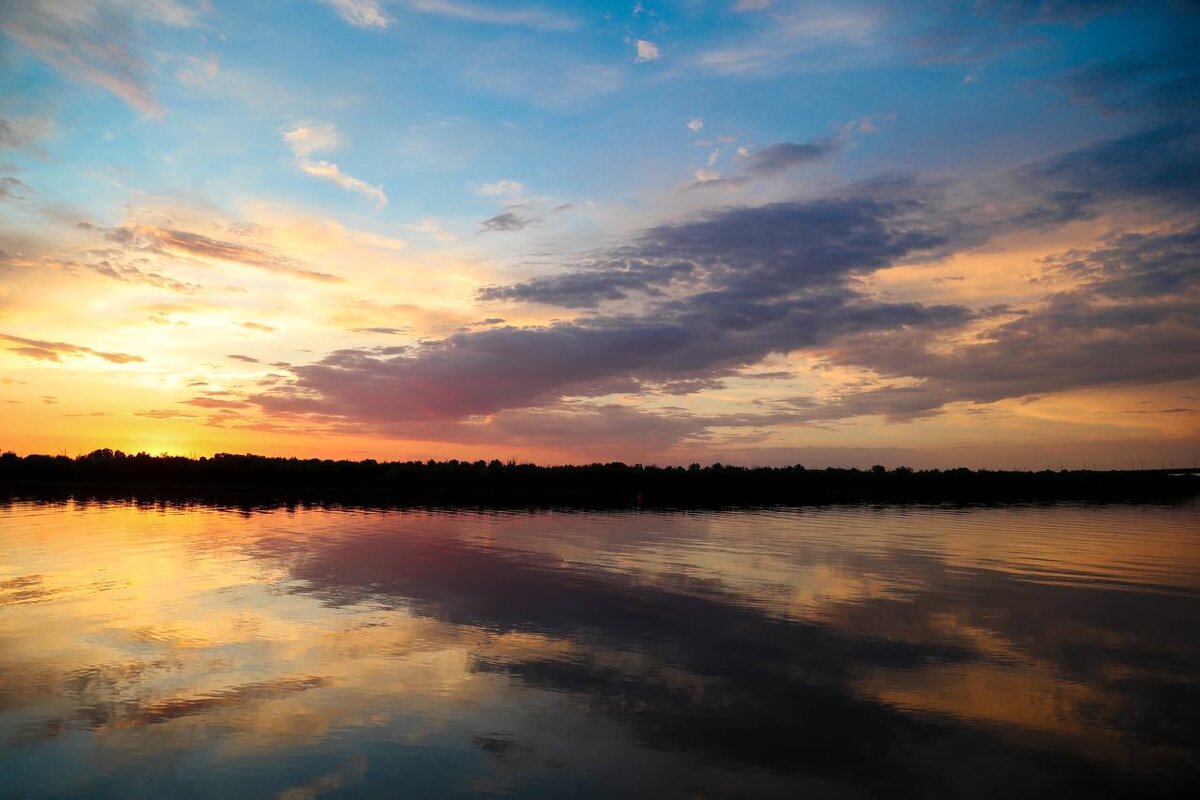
843 652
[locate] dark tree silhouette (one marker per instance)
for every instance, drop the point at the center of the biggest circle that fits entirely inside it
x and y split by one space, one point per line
614 484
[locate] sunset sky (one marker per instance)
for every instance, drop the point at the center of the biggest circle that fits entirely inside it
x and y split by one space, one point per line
936 234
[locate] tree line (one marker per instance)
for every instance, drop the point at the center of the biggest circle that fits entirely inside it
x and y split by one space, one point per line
612 484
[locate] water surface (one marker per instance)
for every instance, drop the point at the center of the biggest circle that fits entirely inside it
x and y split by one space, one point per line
841 652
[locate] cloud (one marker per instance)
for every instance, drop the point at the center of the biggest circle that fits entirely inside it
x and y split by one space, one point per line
695 125
521 74
13 188
810 38
43 350
503 188
603 427
689 304
257 326
770 161
24 133
115 264
508 221
536 18
751 5
307 138
646 51
782 156
167 240
431 228
360 13
331 172
216 402
1131 321
1160 164
378 240
483 372
388 331
1040 11
587 289
200 71
93 43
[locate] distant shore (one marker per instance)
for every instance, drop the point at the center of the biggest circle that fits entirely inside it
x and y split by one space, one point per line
258 480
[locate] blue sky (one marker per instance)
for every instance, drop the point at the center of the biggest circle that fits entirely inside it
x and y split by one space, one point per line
449 162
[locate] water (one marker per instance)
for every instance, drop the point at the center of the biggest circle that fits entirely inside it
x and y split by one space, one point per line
843 652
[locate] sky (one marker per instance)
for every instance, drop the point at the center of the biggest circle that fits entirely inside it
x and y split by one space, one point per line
749 231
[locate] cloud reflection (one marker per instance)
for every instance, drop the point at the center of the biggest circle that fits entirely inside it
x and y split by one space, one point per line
846 649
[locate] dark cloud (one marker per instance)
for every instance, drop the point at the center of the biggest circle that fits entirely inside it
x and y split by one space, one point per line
1161 164
508 221
1073 11
247 359
482 372
690 304
1134 321
762 251
53 351
1131 266
783 156
968 31
775 159
588 289
13 188
1158 83
746 252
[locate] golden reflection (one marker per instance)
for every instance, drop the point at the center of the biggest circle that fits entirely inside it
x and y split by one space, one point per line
147 630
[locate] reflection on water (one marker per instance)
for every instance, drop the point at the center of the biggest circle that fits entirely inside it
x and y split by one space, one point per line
840 652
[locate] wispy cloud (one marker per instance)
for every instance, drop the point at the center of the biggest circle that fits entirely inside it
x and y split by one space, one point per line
432 229
13 188
529 17
520 73
93 43
168 240
114 263
503 188
360 13
331 172
306 138
200 71
43 350
257 326
812 40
